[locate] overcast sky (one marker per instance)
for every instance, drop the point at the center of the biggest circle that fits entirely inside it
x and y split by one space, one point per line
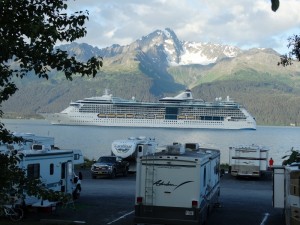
242 23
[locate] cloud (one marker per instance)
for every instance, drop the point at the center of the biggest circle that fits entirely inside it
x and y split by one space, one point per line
240 23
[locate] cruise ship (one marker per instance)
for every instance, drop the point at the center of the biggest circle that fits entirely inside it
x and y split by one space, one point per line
181 111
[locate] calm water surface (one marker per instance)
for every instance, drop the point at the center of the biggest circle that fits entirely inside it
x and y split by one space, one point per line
96 141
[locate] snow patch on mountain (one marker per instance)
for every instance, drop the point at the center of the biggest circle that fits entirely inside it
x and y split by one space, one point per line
186 53
196 58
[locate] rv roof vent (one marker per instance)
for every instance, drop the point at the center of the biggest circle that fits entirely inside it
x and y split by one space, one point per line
192 146
175 149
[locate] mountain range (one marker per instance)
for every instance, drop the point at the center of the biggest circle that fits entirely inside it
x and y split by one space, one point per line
158 65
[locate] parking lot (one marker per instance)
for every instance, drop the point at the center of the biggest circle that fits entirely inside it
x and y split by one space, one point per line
107 201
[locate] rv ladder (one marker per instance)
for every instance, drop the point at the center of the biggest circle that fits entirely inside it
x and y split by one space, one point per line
149 181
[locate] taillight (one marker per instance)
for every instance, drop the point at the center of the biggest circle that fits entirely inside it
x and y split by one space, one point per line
139 200
194 203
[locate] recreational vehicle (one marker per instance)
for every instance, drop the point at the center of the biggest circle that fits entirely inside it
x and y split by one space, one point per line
178 185
248 160
30 141
286 192
39 159
128 149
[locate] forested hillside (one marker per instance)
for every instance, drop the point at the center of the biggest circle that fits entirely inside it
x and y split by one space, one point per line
269 103
159 65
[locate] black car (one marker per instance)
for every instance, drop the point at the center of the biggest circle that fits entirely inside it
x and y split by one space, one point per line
110 166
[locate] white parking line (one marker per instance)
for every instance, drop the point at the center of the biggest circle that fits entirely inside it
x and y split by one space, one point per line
121 217
265 219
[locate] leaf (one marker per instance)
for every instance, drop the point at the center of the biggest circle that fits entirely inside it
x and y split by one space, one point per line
275 5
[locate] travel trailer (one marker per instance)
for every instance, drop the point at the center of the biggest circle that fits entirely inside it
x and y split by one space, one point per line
39 159
249 160
178 185
128 149
286 192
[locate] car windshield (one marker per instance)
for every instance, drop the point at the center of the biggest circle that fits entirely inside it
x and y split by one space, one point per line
107 159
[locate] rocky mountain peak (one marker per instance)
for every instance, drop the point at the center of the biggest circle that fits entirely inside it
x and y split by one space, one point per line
162 46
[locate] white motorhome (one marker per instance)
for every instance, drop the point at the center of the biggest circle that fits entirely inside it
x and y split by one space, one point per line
178 185
36 143
128 149
30 141
55 168
249 160
286 192
39 159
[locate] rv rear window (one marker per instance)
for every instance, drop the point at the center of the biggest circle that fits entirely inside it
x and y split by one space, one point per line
76 156
51 169
204 177
33 170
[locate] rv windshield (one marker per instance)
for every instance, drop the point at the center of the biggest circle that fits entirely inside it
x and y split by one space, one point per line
107 159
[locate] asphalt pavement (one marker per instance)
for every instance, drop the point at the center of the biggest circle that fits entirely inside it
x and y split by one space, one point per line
105 201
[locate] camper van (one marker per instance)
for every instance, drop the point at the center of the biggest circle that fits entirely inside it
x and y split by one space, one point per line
128 149
249 160
286 192
178 185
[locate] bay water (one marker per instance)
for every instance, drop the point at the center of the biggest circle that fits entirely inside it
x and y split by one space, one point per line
96 141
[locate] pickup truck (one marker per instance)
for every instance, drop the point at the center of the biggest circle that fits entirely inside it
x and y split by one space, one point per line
109 166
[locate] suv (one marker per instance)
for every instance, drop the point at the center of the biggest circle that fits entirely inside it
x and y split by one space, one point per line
109 166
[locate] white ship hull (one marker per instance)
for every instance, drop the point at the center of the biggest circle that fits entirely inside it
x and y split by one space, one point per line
93 120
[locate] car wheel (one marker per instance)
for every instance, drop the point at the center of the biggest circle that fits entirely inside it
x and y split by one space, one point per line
113 174
125 173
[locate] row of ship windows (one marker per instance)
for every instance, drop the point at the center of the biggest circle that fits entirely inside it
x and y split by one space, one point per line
151 107
133 120
219 113
142 109
152 110
168 116
152 122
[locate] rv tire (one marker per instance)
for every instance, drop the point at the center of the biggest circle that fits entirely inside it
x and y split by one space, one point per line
203 216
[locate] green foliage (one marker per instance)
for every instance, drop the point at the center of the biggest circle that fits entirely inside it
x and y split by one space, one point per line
294 156
294 43
275 5
30 29
15 183
271 103
224 166
12 178
86 165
